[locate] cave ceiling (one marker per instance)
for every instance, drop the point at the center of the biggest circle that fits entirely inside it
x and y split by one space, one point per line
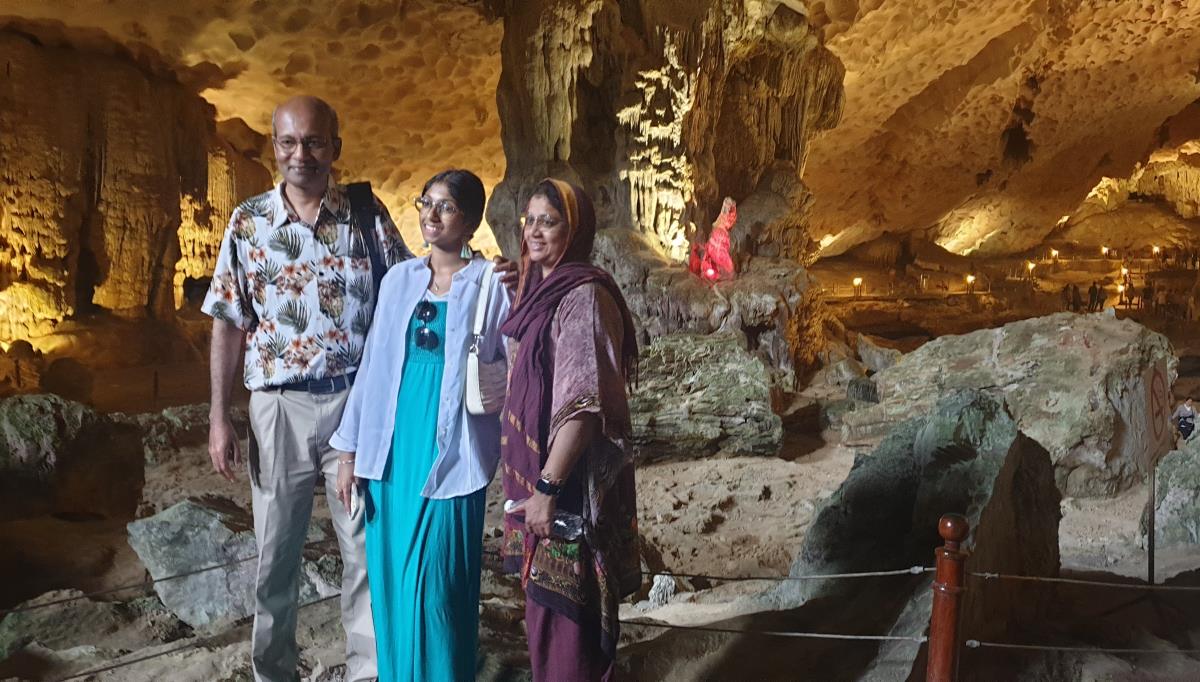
414 81
976 124
981 124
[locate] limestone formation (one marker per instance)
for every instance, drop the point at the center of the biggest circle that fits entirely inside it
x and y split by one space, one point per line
1091 389
176 427
199 533
697 394
984 120
772 302
1177 498
966 456
414 82
660 109
58 456
1156 205
876 356
113 178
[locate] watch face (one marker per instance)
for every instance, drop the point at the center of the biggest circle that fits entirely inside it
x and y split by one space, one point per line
546 487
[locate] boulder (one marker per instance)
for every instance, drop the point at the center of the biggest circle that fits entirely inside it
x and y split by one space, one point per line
1177 497
209 531
59 456
699 393
875 355
968 457
1091 389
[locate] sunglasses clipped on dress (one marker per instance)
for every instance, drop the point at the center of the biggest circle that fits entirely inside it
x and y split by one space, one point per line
426 338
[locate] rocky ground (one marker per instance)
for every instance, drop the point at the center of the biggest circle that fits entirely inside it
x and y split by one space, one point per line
721 516
704 519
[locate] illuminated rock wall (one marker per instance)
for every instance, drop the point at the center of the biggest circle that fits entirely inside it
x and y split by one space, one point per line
413 81
982 123
660 109
102 163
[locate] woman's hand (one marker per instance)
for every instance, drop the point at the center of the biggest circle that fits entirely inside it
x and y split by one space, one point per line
539 514
345 478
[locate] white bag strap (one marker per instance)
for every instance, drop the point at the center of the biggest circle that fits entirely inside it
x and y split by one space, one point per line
481 306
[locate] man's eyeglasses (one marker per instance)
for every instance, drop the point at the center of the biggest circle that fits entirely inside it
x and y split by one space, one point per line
312 144
545 222
445 207
426 338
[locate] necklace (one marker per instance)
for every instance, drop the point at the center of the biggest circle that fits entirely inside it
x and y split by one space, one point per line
433 283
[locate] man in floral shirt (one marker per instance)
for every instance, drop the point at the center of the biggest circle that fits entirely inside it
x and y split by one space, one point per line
293 287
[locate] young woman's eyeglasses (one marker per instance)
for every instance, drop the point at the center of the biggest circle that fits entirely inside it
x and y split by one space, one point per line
544 222
426 338
289 144
445 207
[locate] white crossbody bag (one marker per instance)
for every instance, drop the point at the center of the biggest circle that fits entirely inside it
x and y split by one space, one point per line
487 382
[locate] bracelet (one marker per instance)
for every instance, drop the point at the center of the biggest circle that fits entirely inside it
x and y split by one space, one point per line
346 461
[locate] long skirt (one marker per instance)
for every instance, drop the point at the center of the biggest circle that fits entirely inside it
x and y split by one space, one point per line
561 650
423 555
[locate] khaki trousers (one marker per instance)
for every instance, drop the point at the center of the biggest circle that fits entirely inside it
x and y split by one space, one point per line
292 430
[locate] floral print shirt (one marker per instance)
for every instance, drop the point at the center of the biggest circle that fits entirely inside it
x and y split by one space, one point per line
303 293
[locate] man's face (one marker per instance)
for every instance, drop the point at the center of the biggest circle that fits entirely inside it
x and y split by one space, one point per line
304 146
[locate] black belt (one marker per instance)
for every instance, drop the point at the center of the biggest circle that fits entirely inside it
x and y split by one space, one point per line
320 386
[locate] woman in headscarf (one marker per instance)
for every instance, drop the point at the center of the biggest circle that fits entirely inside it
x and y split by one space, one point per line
423 459
564 447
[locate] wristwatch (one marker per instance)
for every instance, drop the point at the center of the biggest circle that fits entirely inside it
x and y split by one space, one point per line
545 487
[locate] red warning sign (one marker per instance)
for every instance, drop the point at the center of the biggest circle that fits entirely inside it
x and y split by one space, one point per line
1158 404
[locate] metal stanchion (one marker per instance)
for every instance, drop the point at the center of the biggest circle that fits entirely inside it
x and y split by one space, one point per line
947 586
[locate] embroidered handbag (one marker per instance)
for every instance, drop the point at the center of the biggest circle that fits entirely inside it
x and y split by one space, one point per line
487 382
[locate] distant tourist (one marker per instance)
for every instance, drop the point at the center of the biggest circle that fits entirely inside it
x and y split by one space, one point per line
1184 418
1094 301
1076 299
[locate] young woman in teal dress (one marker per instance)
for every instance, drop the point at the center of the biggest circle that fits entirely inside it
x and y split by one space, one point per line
425 460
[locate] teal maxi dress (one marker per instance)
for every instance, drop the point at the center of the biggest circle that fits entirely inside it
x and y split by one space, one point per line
423 555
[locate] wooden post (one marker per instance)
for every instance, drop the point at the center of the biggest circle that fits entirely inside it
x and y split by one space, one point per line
947 586
1150 523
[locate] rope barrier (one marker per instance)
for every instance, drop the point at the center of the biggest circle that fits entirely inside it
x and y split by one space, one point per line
912 570
976 644
147 583
190 645
780 633
1090 583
